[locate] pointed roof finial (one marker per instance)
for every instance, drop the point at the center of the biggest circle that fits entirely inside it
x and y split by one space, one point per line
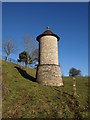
47 28
47 32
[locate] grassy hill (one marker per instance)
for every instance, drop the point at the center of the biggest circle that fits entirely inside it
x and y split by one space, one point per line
22 97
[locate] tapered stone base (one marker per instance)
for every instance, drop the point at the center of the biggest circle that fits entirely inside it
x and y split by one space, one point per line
49 74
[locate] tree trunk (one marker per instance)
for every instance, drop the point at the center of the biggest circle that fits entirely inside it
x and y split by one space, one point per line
6 59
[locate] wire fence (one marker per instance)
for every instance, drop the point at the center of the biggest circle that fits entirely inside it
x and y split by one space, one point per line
15 61
33 65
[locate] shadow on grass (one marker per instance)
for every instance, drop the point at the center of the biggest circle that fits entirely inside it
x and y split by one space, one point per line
25 74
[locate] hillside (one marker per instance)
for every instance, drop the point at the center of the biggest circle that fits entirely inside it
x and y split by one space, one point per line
22 97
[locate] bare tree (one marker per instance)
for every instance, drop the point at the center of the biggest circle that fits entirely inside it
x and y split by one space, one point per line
35 55
29 45
9 47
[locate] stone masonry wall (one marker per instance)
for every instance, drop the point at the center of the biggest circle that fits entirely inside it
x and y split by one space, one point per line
48 50
49 75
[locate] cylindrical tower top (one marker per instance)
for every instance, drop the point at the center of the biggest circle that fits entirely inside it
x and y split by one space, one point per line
47 32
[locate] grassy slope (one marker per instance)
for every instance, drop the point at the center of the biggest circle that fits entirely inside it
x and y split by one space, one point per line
23 98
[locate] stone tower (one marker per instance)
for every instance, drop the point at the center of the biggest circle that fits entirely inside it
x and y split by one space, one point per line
48 70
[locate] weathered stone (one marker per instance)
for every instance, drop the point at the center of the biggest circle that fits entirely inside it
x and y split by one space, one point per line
49 75
48 71
48 50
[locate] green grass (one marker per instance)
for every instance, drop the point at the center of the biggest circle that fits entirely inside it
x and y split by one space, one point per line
23 98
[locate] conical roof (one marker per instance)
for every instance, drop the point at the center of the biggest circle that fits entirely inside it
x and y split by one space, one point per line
47 32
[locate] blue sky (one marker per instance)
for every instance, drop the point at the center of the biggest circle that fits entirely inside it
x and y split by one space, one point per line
68 20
